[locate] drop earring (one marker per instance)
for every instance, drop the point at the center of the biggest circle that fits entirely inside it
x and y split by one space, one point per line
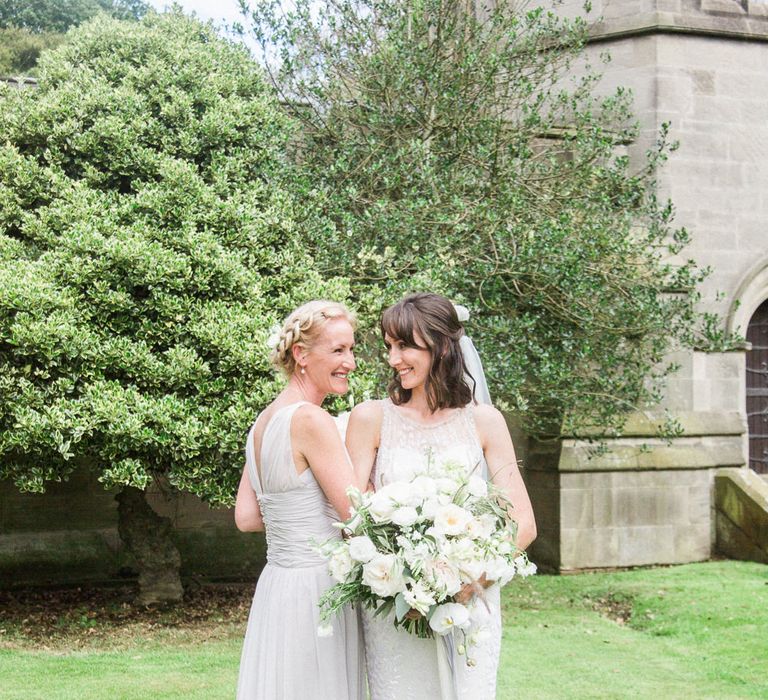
303 371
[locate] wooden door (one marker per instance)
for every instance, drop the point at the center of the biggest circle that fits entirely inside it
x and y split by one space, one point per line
757 389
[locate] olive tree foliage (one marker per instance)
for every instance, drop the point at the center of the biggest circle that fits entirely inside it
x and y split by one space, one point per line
149 239
459 150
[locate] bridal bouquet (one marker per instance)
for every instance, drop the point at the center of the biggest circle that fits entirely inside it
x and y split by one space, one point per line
414 544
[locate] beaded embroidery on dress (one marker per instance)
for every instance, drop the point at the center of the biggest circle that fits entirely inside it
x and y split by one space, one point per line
400 665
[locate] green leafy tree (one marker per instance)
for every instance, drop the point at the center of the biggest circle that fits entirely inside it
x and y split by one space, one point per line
460 150
59 15
20 50
149 238
29 27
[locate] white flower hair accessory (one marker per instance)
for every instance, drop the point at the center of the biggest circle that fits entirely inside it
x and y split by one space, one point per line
462 312
274 337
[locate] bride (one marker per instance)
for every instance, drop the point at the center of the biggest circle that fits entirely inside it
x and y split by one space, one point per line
431 409
294 486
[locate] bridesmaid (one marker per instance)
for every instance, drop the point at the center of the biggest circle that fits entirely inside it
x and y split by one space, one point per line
294 487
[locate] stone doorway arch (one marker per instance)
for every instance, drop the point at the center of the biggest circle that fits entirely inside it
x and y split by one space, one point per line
757 389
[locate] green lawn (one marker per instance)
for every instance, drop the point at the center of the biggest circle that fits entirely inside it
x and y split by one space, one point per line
694 631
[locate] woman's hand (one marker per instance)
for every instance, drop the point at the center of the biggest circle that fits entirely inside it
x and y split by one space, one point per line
471 589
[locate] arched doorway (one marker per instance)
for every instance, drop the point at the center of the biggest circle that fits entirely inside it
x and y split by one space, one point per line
757 389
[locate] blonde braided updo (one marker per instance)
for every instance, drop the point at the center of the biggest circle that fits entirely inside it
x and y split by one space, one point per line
303 327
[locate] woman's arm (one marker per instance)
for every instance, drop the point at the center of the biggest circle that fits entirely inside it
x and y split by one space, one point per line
247 511
314 434
503 470
363 435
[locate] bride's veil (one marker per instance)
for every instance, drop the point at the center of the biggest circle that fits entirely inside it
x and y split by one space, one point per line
472 361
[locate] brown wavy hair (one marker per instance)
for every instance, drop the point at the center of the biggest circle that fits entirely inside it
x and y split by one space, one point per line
434 319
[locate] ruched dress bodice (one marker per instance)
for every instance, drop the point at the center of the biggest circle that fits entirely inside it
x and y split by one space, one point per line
283 658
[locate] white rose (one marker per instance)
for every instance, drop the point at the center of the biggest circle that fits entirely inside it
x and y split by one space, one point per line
477 486
362 548
448 617
429 508
419 598
405 516
488 524
401 493
384 575
447 485
424 487
475 530
341 564
499 569
325 630
381 506
460 549
451 519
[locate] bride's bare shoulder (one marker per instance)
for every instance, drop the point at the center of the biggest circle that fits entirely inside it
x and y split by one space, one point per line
367 415
488 418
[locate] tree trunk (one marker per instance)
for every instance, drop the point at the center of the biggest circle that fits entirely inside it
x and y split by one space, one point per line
147 537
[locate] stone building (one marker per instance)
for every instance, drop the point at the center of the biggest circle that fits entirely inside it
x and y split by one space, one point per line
701 65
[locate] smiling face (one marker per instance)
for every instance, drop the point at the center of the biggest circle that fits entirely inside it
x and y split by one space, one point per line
411 362
331 357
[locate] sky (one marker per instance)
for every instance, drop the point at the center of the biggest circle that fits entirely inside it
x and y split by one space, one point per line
216 10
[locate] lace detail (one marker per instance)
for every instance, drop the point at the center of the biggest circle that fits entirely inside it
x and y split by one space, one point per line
404 440
402 666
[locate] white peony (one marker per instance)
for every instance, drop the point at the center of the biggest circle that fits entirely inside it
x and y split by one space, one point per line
362 548
419 598
443 575
384 575
341 564
405 516
448 617
451 519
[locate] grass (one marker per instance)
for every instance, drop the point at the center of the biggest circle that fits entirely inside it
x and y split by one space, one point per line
694 631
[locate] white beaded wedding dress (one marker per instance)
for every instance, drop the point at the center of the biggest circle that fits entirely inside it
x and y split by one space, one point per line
400 665
283 658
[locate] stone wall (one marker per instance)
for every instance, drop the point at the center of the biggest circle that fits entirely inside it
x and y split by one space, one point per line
69 536
702 66
741 514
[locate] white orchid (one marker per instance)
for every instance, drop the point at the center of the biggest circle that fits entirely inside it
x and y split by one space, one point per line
448 617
